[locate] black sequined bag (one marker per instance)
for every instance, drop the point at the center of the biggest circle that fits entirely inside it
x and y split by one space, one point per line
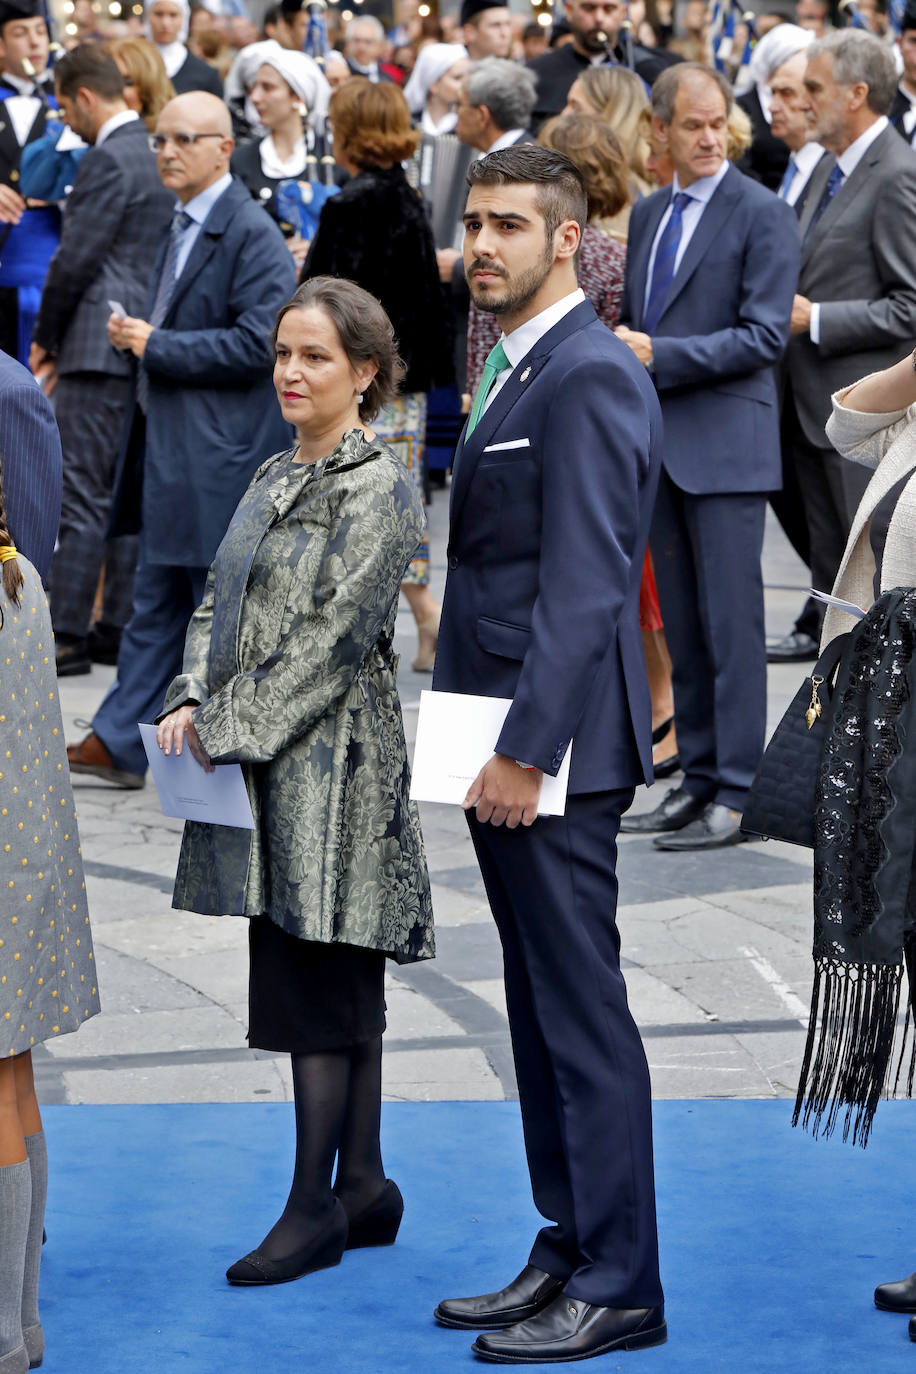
780 803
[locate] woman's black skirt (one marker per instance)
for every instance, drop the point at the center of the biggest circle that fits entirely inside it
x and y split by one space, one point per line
305 997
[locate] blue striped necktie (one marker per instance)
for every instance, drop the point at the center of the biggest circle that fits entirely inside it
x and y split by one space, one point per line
665 260
788 178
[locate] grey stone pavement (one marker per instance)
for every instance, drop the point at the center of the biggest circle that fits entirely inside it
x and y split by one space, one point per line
715 948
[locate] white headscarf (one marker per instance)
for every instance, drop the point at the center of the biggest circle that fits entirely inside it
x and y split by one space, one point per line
174 54
433 61
300 72
774 48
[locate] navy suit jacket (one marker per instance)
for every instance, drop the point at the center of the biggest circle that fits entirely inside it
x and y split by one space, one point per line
213 414
32 465
723 331
545 553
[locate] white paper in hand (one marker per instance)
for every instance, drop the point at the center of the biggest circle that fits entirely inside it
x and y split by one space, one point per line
456 735
191 793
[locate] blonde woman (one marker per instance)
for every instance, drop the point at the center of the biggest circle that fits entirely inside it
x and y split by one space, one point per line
617 96
147 88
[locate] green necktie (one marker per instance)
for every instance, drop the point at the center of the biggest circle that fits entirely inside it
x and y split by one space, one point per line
496 363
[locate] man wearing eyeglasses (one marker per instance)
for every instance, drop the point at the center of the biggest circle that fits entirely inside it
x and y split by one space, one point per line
116 216
203 417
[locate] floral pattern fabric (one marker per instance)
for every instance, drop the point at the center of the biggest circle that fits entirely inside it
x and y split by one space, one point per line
290 655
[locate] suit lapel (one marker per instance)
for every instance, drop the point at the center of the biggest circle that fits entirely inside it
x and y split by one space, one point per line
706 234
852 187
514 388
638 257
813 192
204 245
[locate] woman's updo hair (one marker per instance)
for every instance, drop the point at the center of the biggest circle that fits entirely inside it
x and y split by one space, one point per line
365 333
371 122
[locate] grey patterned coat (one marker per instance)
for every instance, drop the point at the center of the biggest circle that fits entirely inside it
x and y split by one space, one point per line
290 655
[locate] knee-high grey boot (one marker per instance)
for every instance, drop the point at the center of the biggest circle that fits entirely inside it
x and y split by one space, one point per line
32 1334
15 1210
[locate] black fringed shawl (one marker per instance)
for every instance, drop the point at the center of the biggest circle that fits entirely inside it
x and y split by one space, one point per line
864 892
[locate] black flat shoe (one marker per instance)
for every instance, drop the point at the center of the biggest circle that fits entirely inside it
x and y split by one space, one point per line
667 767
572 1330
323 1251
660 731
677 809
897 1297
378 1223
524 1297
716 827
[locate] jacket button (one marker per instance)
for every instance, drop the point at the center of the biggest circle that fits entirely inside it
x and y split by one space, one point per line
453 563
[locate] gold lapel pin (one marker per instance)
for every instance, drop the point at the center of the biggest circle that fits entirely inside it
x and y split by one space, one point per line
525 375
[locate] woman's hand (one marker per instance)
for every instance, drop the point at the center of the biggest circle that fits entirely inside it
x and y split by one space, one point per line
177 727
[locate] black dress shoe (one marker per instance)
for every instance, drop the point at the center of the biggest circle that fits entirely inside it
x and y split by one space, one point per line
572 1330
524 1297
72 658
323 1251
677 809
378 1223
714 828
897 1297
795 647
668 767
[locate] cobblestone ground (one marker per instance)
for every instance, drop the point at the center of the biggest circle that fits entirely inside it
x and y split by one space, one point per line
715 948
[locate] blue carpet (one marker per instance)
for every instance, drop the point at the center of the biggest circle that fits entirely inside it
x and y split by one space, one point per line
771 1242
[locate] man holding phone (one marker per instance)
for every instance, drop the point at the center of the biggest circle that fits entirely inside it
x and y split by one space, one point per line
117 215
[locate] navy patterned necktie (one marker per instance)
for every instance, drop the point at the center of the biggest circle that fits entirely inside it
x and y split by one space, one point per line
164 292
665 261
834 182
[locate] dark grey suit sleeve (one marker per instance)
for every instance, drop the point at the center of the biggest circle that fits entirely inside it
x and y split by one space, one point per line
95 213
853 325
32 466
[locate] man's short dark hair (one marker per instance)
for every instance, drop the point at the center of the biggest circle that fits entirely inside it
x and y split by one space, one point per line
560 188
87 66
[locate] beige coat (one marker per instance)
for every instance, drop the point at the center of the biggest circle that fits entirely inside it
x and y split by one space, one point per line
888 443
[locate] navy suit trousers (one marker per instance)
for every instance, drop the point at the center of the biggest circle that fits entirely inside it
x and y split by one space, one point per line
582 1074
151 653
706 551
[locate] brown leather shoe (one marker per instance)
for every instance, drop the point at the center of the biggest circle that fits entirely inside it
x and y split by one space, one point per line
90 756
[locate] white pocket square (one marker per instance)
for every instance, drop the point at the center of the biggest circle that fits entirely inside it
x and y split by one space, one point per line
508 443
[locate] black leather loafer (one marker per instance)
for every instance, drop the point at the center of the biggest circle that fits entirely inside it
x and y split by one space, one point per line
323 1251
572 1330
524 1297
678 809
897 1297
795 647
716 827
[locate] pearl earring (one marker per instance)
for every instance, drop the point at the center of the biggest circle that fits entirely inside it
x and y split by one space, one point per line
359 398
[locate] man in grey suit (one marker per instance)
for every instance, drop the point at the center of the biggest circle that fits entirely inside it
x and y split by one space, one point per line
855 311
116 216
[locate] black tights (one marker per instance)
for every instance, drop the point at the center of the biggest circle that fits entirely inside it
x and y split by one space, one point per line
338 1107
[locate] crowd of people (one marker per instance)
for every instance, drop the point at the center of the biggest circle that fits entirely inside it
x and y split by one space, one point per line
615 270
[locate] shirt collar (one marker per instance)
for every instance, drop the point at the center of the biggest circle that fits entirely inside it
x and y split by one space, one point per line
523 339
808 156
200 207
850 159
506 140
25 85
115 122
703 188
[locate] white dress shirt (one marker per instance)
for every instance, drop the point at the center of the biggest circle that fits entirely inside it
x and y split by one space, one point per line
115 122
198 208
847 163
506 140
522 340
805 160
701 192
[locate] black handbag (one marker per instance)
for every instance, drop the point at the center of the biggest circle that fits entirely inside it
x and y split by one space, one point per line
780 803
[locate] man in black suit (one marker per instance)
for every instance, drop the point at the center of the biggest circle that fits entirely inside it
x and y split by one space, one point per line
28 238
596 28
903 110
710 278
551 501
116 217
31 462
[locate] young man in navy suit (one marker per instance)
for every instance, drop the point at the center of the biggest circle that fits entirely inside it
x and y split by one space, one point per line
551 501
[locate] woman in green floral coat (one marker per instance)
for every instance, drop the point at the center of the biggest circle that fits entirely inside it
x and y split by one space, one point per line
289 670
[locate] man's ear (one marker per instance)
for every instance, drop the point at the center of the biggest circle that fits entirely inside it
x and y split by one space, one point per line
567 239
660 133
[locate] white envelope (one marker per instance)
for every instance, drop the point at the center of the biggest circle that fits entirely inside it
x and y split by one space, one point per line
191 793
456 734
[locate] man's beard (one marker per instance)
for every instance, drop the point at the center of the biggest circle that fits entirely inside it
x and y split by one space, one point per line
592 43
518 292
